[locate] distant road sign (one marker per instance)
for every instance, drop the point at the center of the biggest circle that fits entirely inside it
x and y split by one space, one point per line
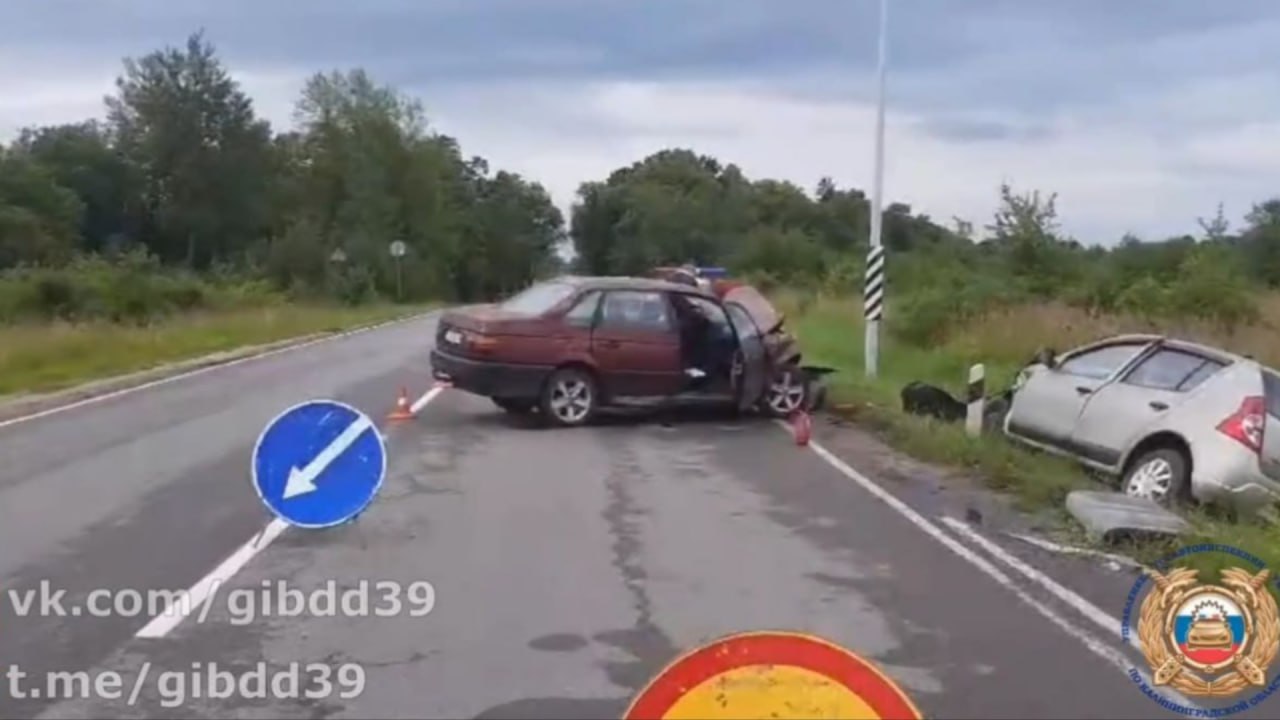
771 674
338 256
319 464
398 248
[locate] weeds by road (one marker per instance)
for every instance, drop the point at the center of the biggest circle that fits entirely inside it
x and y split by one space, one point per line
831 331
39 357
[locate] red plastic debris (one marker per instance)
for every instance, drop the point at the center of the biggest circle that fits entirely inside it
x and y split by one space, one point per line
801 427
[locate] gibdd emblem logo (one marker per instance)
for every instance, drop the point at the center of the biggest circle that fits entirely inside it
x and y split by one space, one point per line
1206 639
1209 640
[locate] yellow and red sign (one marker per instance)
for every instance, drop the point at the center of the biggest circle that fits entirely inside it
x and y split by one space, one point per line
771 675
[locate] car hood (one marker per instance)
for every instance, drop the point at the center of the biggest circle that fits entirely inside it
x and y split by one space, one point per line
766 317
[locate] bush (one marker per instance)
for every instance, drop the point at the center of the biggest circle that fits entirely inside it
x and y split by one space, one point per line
130 288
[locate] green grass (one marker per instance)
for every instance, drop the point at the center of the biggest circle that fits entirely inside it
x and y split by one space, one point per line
41 357
831 333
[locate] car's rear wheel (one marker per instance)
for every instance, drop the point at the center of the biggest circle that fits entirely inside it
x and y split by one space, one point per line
569 397
1161 474
514 406
788 392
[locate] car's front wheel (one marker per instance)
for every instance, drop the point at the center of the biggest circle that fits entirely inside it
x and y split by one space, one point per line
1162 474
787 393
569 397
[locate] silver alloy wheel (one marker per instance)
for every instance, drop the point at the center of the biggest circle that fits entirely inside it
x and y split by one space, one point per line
786 394
571 400
1153 480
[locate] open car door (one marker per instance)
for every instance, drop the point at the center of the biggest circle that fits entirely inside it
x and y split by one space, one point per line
750 366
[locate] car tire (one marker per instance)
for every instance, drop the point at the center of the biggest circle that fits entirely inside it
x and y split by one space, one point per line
570 397
515 406
788 392
1162 474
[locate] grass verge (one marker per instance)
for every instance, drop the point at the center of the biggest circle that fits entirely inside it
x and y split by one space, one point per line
42 357
831 333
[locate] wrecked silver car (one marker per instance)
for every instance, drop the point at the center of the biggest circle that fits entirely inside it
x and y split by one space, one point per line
1171 420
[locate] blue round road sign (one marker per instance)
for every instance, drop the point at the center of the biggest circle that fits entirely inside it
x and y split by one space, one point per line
319 464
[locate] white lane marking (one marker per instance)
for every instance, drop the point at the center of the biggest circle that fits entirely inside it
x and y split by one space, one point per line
427 397
1101 618
1108 653
202 370
204 592
204 589
1061 549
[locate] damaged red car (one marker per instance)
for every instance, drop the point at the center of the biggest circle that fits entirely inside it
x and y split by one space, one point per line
570 347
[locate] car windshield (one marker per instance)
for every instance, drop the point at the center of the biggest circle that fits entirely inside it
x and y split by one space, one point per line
538 299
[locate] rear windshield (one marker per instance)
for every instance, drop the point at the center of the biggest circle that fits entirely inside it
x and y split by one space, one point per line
538 299
1271 387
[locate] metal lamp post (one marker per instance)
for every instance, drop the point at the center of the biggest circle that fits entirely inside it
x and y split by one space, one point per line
873 287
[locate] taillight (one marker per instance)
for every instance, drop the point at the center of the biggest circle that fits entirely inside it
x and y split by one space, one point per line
1246 424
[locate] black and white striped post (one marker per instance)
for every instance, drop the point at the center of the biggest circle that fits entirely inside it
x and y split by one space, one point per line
873 304
975 400
873 289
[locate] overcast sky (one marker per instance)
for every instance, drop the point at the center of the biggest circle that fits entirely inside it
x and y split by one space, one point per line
1141 114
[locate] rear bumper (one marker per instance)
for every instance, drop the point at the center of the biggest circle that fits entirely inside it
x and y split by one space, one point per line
490 379
1227 473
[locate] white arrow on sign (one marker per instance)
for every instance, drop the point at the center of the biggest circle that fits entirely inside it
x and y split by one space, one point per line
303 481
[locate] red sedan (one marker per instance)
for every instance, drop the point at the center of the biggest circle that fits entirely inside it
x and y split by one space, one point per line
571 346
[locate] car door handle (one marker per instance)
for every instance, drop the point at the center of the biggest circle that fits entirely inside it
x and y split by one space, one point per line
1082 390
1157 405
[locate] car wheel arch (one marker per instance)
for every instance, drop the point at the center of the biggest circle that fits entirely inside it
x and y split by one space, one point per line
576 364
1163 439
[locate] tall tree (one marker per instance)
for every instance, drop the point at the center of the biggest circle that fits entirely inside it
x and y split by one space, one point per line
201 154
80 157
39 219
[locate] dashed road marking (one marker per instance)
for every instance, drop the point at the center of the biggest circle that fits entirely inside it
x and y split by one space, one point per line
1109 653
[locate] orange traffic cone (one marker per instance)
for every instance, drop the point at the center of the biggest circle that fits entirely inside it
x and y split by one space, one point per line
801 427
402 411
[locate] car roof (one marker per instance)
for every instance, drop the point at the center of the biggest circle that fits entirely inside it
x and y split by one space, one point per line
1177 344
629 283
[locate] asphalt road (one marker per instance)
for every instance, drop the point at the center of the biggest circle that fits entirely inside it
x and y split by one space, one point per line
567 566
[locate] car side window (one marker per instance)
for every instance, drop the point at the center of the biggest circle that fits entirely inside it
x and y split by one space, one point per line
636 310
1199 375
1101 363
1172 370
583 313
742 322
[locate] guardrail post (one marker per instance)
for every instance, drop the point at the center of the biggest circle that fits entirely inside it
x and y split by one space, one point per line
975 400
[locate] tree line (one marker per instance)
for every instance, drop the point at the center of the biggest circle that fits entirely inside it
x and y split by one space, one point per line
182 179
677 206
182 172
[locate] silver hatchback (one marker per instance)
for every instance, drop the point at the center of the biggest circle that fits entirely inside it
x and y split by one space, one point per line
1172 420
